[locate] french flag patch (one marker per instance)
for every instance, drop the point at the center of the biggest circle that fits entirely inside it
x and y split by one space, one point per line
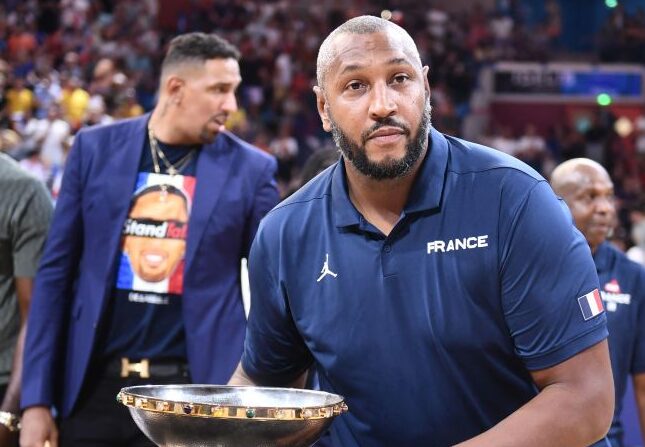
590 304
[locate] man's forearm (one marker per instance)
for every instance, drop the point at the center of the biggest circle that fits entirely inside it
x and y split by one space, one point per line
555 417
240 377
11 401
574 407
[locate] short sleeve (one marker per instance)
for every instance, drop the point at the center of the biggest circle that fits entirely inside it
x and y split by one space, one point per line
546 265
30 224
274 352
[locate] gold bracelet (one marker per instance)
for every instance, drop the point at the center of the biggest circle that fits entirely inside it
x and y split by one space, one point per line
10 420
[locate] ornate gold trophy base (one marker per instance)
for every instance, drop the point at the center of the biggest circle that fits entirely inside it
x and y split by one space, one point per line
230 416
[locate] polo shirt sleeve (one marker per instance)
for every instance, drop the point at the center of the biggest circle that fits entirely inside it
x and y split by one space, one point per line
274 352
30 225
638 359
545 266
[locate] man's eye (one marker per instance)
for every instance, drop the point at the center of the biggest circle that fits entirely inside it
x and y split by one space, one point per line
354 85
400 79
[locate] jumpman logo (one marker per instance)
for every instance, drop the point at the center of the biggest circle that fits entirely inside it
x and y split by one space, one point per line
326 270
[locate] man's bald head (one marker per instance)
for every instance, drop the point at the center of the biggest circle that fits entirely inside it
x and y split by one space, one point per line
572 174
589 192
361 25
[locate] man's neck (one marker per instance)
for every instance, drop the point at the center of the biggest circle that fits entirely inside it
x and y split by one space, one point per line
380 201
164 126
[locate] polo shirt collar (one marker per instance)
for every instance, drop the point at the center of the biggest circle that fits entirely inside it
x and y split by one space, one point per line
602 257
426 192
427 189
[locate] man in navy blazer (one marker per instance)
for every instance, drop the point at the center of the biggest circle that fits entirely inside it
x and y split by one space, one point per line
140 278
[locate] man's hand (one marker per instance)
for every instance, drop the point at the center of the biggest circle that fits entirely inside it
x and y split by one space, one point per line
38 426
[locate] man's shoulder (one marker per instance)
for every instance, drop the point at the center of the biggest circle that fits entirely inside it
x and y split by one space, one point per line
99 131
467 157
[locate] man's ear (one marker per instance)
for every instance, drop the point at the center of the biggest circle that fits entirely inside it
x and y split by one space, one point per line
321 104
174 88
426 83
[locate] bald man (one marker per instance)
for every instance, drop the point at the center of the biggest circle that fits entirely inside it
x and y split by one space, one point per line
433 282
589 192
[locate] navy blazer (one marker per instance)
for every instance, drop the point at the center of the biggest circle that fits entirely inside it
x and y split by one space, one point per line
235 189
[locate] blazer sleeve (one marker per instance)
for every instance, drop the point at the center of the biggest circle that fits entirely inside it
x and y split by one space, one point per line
51 298
266 197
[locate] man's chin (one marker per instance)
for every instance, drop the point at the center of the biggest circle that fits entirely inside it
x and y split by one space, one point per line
208 138
153 277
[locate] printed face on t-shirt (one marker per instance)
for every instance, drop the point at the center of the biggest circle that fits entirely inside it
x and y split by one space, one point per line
155 257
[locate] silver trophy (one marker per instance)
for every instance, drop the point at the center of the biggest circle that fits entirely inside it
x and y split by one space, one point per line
230 416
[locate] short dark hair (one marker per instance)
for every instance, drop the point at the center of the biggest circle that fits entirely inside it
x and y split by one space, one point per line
198 47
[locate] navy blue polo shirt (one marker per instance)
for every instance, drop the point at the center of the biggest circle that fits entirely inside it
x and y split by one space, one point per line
622 288
430 332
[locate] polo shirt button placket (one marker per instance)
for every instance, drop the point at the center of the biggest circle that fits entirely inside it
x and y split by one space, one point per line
386 259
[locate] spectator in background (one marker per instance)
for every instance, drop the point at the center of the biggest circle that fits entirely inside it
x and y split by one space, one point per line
637 252
285 148
20 99
47 94
25 212
532 150
49 136
96 112
318 162
505 142
74 100
597 138
129 108
589 192
33 164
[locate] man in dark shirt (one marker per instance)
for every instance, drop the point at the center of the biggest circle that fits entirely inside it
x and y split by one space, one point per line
588 190
140 279
436 284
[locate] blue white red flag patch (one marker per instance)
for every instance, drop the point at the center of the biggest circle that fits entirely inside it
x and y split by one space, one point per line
590 304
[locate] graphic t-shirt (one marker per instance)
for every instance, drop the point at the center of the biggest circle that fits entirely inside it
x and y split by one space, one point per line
145 316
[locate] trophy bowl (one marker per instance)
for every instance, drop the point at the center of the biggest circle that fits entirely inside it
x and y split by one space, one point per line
223 416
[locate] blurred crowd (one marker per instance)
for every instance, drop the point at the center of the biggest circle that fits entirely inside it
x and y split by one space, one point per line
65 64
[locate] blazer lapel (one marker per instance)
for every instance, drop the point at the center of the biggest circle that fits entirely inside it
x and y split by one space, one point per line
124 161
213 169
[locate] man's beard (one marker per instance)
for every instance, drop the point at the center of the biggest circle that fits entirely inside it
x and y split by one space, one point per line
205 135
390 168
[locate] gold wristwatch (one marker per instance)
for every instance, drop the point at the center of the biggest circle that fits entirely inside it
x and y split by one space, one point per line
10 420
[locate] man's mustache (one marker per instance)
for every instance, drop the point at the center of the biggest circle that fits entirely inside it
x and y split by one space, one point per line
384 122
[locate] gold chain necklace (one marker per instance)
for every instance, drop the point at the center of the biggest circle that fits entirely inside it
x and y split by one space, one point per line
171 169
157 154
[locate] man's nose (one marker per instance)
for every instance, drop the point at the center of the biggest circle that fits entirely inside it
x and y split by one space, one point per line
230 103
604 205
382 102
